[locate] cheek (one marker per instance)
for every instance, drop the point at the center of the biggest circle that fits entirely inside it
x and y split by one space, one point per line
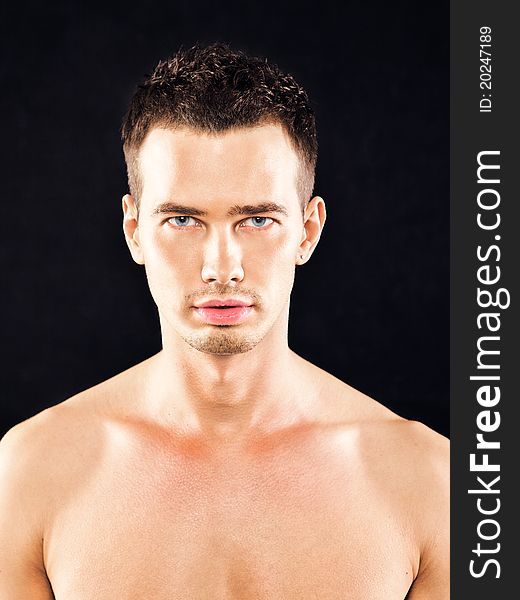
271 263
280 245
168 254
172 268
278 256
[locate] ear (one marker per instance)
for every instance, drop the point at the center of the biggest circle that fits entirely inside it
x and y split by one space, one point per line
313 221
131 228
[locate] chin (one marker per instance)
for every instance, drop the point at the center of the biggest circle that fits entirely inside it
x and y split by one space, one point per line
224 342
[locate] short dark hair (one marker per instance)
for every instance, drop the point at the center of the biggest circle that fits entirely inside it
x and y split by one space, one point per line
214 89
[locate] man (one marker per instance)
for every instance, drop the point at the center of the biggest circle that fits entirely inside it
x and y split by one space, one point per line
225 466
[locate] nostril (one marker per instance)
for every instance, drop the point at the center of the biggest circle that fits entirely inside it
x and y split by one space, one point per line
222 273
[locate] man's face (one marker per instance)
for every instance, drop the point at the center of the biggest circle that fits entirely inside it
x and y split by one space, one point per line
219 231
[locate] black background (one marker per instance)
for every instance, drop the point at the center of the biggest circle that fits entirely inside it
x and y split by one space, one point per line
372 306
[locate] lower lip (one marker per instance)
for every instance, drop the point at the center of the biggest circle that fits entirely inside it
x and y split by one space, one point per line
224 316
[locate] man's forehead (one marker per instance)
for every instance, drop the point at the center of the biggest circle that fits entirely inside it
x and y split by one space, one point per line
261 142
256 162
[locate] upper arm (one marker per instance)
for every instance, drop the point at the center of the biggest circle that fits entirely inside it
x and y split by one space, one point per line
22 571
433 577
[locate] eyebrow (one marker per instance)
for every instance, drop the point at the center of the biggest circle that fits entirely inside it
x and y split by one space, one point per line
246 209
169 207
254 209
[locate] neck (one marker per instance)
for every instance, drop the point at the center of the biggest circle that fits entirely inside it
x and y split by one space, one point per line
229 395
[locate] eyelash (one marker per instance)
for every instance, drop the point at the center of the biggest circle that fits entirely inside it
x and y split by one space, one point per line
198 224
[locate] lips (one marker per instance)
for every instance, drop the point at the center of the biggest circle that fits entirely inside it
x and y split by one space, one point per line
223 312
218 303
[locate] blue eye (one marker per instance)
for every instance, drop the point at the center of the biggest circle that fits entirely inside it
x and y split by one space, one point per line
182 221
258 222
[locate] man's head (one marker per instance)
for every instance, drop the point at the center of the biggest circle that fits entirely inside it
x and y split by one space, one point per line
218 222
212 90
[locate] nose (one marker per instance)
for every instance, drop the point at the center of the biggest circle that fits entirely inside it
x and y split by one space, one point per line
222 262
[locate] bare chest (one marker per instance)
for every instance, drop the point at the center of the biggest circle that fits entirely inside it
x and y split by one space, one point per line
185 529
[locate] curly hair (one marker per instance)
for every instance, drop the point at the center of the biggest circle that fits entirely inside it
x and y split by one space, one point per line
213 89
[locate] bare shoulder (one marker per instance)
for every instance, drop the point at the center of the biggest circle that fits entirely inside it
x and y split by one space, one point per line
29 444
412 463
416 471
407 459
396 449
22 519
54 444
38 449
54 429
43 461
29 455
385 436
406 443
407 466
